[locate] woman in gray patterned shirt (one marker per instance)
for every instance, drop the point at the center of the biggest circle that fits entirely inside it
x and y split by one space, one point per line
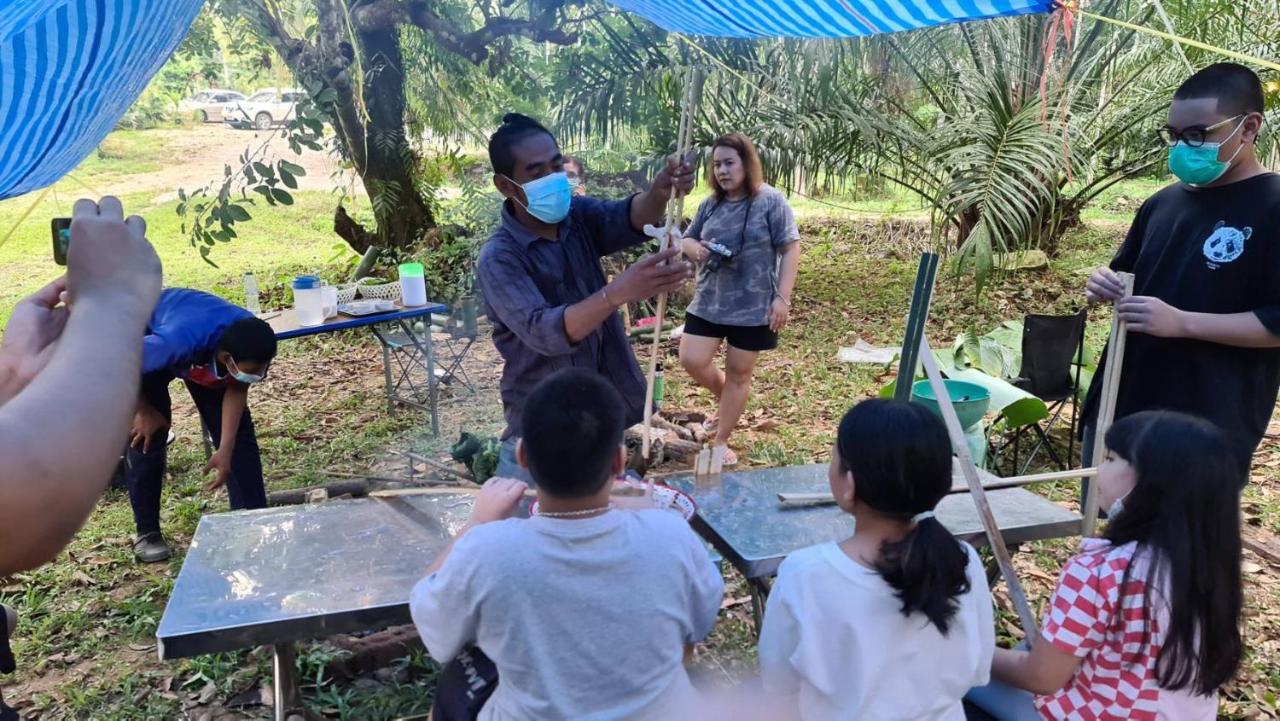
744 238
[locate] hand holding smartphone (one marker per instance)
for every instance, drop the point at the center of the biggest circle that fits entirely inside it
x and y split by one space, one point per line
61 239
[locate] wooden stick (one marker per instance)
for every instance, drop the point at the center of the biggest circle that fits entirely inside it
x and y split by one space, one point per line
818 499
976 491
449 491
1107 402
675 210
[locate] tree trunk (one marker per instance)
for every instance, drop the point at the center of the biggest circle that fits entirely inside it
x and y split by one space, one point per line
368 119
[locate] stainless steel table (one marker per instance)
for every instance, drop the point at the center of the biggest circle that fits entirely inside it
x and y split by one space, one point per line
740 516
276 576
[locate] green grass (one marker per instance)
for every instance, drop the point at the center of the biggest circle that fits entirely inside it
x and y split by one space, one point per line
277 244
86 640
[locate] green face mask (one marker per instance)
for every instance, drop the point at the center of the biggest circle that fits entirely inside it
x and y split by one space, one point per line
1200 166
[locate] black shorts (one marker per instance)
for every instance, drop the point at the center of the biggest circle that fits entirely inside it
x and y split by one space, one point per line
742 337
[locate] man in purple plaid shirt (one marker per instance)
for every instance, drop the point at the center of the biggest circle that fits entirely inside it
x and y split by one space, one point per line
541 277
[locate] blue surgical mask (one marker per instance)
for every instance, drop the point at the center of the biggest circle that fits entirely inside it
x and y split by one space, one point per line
242 377
1200 166
549 197
1117 506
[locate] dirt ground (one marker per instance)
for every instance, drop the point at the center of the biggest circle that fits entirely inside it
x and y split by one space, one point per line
204 149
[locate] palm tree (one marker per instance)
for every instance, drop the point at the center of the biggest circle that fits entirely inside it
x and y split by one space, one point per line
1003 147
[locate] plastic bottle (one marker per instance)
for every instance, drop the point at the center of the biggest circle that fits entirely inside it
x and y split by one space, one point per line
251 301
659 386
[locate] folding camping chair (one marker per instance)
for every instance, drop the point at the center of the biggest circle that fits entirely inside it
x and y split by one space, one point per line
1051 346
460 331
407 369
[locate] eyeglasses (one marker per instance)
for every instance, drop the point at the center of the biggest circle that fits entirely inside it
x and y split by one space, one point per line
1194 136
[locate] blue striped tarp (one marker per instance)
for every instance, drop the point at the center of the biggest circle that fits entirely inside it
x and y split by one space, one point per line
819 18
68 70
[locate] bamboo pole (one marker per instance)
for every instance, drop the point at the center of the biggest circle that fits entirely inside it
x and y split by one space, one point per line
1107 402
818 499
675 212
976 491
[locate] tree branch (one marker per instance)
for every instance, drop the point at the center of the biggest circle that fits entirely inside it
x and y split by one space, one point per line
473 45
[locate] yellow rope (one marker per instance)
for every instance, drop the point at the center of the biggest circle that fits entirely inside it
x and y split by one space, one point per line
13 228
1243 57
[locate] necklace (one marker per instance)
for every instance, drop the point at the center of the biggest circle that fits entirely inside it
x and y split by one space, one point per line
576 514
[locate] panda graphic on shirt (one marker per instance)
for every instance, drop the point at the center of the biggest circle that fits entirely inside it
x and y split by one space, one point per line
1225 244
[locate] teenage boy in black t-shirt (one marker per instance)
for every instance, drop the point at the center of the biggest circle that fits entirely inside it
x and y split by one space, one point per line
1204 319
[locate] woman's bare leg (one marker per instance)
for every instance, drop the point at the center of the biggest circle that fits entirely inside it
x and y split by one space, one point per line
739 365
698 358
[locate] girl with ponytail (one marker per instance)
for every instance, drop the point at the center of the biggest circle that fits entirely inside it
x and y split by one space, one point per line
894 622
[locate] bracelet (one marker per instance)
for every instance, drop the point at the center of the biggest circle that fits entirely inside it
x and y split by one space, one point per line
785 302
604 293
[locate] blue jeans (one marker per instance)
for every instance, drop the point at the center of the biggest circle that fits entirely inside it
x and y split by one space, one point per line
508 466
145 471
1004 702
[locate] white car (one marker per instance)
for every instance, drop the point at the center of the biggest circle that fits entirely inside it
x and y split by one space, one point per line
207 105
264 109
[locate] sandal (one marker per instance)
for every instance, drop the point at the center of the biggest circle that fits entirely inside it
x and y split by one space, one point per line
730 458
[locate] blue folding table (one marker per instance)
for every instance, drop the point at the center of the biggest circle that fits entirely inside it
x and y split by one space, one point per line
398 334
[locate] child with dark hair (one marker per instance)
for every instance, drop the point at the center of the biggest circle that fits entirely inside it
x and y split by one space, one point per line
219 350
584 610
1204 319
894 622
1145 622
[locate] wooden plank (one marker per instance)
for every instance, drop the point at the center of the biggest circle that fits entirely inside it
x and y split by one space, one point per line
976 491
1107 402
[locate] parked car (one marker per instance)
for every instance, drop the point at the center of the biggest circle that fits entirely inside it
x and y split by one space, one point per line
207 105
263 109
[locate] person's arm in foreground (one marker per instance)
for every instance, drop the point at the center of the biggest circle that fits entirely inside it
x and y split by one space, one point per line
497 501
61 435
1043 670
1146 314
445 604
234 400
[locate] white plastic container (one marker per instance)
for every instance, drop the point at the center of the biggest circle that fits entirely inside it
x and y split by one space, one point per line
413 285
329 295
308 300
251 302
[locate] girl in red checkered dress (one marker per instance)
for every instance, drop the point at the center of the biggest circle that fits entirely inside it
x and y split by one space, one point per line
1122 636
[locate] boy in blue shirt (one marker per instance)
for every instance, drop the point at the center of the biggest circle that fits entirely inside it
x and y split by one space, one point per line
218 349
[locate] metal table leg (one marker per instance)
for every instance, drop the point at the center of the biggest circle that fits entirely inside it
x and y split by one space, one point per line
286 682
386 370
758 593
432 385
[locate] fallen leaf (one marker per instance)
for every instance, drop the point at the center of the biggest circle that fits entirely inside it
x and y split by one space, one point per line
1251 567
83 578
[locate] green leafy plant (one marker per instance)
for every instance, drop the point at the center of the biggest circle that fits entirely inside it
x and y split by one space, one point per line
209 214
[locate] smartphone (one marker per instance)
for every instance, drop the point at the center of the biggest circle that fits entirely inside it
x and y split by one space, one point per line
61 239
